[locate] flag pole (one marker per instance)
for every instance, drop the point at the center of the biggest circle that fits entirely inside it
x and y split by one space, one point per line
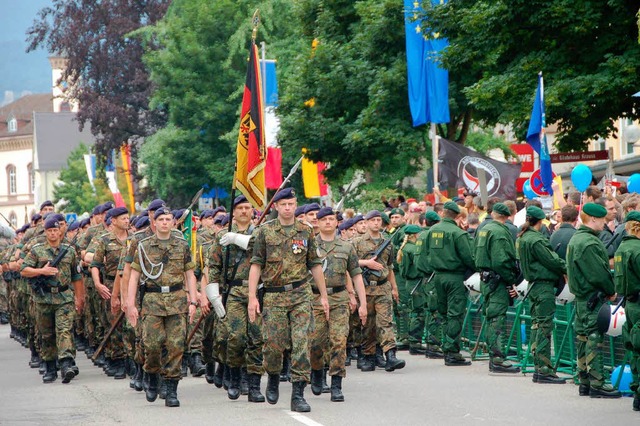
434 156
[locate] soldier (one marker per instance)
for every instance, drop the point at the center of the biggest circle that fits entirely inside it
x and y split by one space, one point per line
310 212
627 281
381 290
54 298
163 261
542 268
495 256
450 256
360 225
329 336
284 250
403 307
591 282
562 235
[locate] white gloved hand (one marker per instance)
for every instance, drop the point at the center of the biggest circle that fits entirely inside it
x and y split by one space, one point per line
213 294
240 240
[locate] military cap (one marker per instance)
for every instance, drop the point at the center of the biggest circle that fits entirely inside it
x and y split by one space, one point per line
411 229
142 222
47 203
144 213
594 210
372 214
156 204
74 225
502 209
59 217
339 216
450 205
206 213
36 217
432 216
345 225
219 209
96 210
103 208
284 194
177 214
385 218
84 222
299 210
325 211
218 220
311 208
239 200
633 215
107 221
225 220
23 229
118 211
51 222
160 211
533 211
396 211
357 218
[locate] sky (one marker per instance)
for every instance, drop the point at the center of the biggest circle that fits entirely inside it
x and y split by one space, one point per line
21 72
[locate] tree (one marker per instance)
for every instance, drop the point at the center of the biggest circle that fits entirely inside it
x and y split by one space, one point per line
74 186
587 51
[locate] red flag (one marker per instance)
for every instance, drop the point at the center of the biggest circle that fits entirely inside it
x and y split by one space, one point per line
273 176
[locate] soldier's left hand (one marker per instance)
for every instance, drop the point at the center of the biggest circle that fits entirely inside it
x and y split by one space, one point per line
192 313
513 293
395 295
79 302
325 306
353 303
115 304
362 313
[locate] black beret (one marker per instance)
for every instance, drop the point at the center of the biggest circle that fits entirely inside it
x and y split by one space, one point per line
160 211
74 225
325 211
142 222
284 194
47 203
346 225
300 210
51 222
311 207
118 211
372 214
239 200
36 217
156 204
357 218
206 213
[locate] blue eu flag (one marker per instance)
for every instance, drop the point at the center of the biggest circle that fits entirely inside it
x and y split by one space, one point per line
428 82
538 139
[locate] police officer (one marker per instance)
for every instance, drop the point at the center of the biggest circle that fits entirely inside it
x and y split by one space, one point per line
591 282
542 268
283 253
408 267
627 281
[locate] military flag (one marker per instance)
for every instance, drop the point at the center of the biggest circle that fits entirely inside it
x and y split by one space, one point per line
537 138
313 178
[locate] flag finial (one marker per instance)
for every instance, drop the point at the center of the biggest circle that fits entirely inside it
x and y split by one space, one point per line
255 21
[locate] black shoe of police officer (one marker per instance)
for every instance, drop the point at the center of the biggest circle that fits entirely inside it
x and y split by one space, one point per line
172 394
66 370
152 387
234 383
298 403
273 385
455 359
51 373
218 377
336 389
244 382
506 368
316 382
605 391
550 379
368 363
197 367
210 372
393 363
380 361
583 390
254 394
636 403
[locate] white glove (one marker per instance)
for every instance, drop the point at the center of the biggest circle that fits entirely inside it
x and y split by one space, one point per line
240 240
213 294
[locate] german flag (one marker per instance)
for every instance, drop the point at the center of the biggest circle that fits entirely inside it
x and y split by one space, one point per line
252 150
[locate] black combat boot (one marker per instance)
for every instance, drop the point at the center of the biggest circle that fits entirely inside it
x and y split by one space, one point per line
285 374
172 393
4 318
197 367
550 378
347 360
66 370
162 388
74 367
137 379
336 389
226 377
109 367
185 364
454 359
393 363
583 390
503 367
244 382
254 388
119 369
234 383
604 391
316 382
42 368
273 393
636 403
217 378
35 360
210 372
380 361
359 358
368 363
51 373
152 388
12 333
298 403
79 341
325 385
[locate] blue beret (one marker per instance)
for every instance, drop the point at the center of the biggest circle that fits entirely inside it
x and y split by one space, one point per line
372 214
107 221
36 217
51 222
206 213
239 200
59 217
144 213
339 217
300 210
156 204
357 218
96 210
103 208
177 214
325 211
161 211
118 211
84 222
218 210
24 228
346 225
311 207
218 219
284 194
225 220
74 225
47 203
142 222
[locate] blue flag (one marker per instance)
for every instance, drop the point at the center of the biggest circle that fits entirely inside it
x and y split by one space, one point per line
537 138
270 82
428 82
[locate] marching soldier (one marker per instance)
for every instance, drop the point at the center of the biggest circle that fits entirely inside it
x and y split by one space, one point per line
591 282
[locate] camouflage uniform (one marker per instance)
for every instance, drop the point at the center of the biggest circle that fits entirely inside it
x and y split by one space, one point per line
164 319
285 254
94 328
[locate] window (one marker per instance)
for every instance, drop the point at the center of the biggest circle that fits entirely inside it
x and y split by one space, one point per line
601 144
11 179
12 125
32 180
13 218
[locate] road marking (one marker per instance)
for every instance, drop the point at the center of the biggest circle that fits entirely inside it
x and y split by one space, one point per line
303 419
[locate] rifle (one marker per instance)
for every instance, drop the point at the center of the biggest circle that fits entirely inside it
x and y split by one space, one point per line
114 325
39 283
10 224
366 272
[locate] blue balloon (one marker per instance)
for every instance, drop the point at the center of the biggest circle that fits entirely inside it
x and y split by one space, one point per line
625 381
633 184
528 192
581 177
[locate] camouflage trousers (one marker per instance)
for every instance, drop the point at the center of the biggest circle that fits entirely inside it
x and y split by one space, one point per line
115 346
4 297
496 304
631 335
244 342
589 345
94 329
543 307
220 338
286 323
355 330
208 335
379 327
195 345
330 337
169 332
55 324
452 305
23 310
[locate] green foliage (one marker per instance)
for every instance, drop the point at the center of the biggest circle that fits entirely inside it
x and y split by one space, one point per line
75 187
483 140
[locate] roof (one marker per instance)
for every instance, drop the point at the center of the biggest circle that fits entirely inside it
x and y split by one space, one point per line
23 110
55 136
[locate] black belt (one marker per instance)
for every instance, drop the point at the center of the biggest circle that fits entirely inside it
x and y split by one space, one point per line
236 283
284 288
55 289
164 288
372 283
330 290
110 277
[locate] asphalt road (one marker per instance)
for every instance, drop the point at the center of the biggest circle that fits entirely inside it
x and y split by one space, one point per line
424 393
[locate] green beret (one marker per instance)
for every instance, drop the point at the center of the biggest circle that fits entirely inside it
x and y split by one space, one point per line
450 205
385 218
396 211
595 210
411 229
534 211
432 216
502 209
633 215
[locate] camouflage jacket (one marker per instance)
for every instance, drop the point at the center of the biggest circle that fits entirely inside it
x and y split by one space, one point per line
338 258
90 234
365 246
108 250
239 260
